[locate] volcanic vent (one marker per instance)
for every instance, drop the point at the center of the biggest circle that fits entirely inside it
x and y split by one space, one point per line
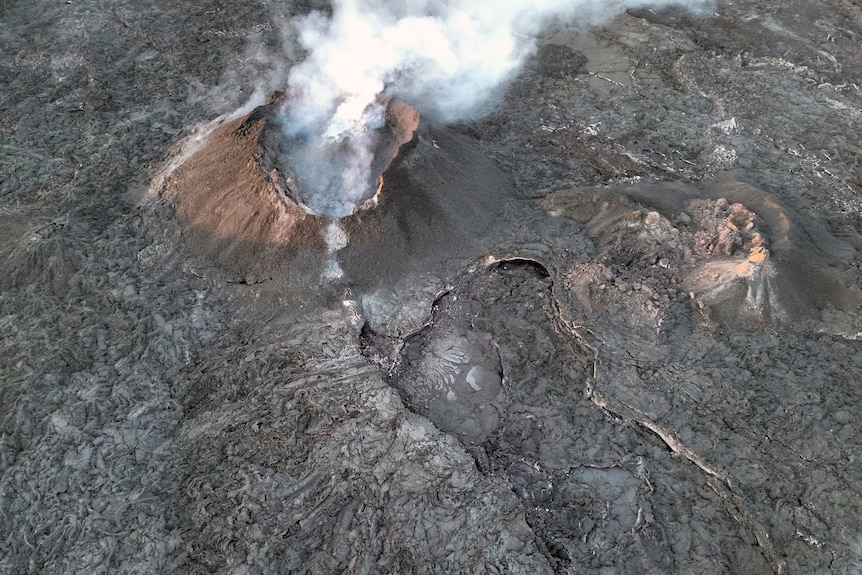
251 197
333 175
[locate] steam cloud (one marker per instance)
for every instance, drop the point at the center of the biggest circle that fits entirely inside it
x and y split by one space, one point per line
447 58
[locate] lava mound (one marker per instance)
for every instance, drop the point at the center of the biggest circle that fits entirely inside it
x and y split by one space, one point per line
733 251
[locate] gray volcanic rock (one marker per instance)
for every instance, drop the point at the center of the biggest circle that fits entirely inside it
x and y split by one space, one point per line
612 327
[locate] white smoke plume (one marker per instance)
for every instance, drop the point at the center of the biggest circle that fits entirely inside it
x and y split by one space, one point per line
447 58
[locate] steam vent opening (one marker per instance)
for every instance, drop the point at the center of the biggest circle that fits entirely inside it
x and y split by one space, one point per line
250 197
334 176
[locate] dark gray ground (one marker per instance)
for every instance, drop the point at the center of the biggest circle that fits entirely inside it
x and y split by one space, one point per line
601 378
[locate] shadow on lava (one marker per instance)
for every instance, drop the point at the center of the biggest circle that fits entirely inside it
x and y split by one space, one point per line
441 201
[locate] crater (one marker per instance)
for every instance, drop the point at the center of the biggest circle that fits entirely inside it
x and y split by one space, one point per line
245 201
241 198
